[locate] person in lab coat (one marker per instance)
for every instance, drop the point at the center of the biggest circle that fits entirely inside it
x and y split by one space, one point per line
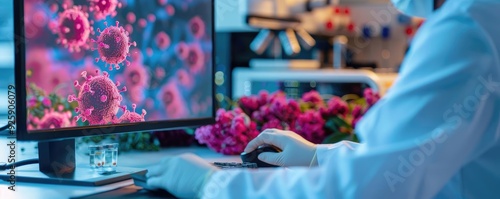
435 134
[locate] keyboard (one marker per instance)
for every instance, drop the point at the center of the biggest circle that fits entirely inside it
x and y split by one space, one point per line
235 165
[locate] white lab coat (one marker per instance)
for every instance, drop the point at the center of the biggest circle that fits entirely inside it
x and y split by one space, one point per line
434 135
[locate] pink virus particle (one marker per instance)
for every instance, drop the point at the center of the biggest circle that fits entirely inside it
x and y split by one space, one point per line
151 18
197 27
136 55
162 40
182 50
131 17
149 52
88 67
195 58
129 28
54 7
58 81
172 101
132 116
66 4
170 10
73 29
104 8
113 45
162 2
98 99
150 103
40 18
54 120
184 78
143 23
38 64
136 79
160 72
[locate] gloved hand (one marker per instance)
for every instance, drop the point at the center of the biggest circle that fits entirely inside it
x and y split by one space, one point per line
183 176
296 151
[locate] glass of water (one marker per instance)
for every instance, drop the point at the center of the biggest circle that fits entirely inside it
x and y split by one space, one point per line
96 153
110 157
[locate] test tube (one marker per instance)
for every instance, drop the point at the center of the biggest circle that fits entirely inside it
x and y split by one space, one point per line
110 157
96 157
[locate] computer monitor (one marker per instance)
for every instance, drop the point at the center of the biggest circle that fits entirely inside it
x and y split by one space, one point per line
95 67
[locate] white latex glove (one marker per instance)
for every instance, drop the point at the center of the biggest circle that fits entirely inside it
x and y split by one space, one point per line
183 176
296 151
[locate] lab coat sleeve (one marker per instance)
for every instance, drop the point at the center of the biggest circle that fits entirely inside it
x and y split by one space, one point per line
324 151
440 114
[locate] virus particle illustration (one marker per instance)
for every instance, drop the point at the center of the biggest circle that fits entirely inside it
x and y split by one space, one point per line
136 79
113 45
197 27
73 29
129 28
40 18
65 4
150 103
98 99
88 67
170 10
184 78
160 72
195 58
149 52
104 8
58 81
38 64
54 120
131 17
162 40
151 18
132 117
172 101
143 23
182 50
136 55
162 2
35 20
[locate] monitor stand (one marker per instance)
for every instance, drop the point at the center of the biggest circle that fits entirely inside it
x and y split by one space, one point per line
58 166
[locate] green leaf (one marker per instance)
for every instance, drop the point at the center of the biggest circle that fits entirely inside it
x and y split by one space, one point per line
340 122
332 126
355 138
336 137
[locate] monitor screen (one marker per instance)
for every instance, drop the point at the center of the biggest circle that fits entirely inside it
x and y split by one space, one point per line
115 62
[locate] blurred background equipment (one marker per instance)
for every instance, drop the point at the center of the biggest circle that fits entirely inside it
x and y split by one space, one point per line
279 35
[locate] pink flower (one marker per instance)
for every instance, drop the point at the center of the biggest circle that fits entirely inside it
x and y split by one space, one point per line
314 98
46 102
276 96
371 97
357 113
230 134
335 106
273 124
32 102
263 98
249 104
310 126
285 110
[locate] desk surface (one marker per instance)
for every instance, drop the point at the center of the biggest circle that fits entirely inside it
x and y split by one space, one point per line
129 159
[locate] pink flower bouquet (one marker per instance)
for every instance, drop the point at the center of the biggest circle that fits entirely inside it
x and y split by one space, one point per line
313 118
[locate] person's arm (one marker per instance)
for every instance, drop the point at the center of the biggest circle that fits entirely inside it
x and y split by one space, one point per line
440 114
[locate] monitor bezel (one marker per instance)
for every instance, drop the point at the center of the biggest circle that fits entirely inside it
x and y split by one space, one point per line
59 134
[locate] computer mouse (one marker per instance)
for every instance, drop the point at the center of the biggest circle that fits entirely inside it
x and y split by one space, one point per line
141 180
253 157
